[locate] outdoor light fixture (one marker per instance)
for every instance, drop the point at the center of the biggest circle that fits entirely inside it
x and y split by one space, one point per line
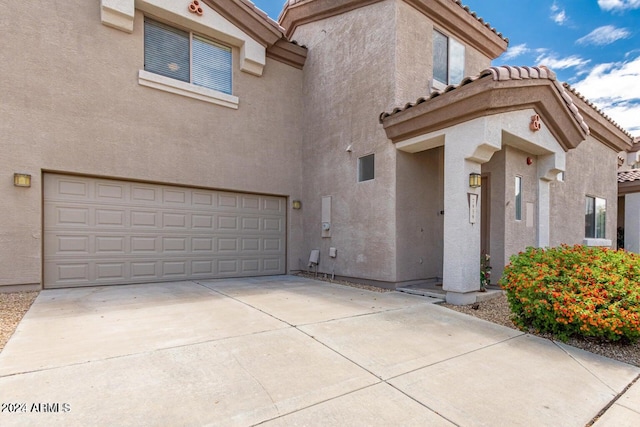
22 180
297 204
475 180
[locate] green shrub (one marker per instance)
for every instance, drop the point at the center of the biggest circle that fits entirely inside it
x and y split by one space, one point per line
578 290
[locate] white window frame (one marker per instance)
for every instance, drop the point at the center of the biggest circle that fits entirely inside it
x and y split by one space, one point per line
598 227
518 198
188 89
452 44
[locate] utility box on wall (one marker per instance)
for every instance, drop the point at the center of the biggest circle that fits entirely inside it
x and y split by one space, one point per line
326 216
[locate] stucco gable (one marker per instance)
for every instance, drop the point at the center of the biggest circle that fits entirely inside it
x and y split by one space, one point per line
452 15
493 91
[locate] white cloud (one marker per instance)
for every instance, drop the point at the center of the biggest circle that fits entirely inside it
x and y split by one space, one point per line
618 5
555 63
604 35
515 51
615 90
558 15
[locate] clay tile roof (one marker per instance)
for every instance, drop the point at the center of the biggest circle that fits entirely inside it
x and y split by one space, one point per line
629 176
263 14
482 21
504 73
592 105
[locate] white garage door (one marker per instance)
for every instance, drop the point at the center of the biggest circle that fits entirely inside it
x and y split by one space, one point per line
104 232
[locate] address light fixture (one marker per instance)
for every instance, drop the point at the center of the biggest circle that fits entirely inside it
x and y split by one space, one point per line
22 179
475 181
296 204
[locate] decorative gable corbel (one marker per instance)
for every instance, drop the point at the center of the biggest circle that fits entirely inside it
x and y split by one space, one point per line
118 14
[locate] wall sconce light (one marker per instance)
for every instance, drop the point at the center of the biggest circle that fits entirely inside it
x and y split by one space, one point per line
22 180
475 181
296 204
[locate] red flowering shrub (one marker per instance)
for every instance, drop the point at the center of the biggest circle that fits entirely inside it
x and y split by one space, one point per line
575 290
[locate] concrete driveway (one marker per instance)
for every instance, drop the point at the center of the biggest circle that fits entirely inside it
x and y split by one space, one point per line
282 351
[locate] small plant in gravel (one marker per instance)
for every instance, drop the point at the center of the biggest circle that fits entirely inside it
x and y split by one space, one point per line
575 291
485 272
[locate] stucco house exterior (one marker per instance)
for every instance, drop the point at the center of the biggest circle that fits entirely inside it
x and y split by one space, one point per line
185 140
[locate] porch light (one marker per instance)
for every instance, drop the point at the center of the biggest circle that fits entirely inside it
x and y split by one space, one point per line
475 181
296 204
22 180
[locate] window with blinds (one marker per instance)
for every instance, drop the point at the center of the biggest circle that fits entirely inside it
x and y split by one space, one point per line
186 57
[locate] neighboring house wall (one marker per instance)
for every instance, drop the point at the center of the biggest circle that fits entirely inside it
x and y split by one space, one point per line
71 103
590 171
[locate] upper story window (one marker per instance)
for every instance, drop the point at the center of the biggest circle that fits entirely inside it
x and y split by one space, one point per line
186 57
448 59
595 218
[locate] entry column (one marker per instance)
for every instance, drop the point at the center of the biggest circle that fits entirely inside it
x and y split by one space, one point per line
461 269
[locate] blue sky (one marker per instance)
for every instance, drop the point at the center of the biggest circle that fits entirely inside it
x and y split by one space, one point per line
594 45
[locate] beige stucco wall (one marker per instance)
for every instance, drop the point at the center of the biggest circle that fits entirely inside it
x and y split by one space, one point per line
348 81
519 234
70 102
495 171
420 203
414 54
590 171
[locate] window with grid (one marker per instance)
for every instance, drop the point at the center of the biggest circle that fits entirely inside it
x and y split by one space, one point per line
187 57
448 59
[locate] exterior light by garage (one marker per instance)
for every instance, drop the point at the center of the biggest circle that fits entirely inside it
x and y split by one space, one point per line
296 204
474 180
22 180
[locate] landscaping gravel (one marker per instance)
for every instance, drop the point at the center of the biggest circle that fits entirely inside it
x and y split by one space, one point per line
497 311
13 307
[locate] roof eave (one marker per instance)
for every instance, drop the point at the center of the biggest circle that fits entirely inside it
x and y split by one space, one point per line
486 97
288 53
248 18
628 187
457 20
603 129
294 15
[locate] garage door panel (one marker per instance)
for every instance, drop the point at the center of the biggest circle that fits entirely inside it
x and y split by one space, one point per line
145 194
227 223
70 188
110 271
110 192
144 219
145 270
250 224
175 197
145 244
202 222
273 224
74 216
109 217
100 231
273 265
110 245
